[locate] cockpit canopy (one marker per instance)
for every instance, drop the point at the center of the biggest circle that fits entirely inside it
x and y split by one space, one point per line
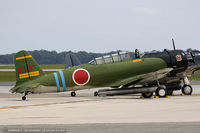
120 56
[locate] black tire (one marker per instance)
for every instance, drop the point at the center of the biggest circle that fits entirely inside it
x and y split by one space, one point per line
73 94
161 92
147 95
95 93
169 92
187 89
23 98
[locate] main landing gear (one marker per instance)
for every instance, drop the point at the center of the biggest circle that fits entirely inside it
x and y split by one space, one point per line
161 91
73 93
187 88
167 89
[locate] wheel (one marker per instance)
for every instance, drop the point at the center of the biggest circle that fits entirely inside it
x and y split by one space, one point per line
147 95
161 92
187 89
23 98
73 94
95 93
169 92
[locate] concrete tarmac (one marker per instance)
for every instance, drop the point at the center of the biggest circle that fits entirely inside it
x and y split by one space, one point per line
173 127
86 113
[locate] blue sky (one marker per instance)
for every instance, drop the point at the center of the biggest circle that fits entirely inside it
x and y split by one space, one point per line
98 25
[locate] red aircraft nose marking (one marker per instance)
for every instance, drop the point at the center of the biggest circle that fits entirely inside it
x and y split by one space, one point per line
178 58
81 76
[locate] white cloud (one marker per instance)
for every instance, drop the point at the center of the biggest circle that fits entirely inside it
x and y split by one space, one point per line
147 11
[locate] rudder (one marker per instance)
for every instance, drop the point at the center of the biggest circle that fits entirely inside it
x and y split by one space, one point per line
26 67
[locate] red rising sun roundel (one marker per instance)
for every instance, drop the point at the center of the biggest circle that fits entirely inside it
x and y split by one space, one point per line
81 76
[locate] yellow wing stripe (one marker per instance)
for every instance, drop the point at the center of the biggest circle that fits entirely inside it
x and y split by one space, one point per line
26 75
23 57
137 60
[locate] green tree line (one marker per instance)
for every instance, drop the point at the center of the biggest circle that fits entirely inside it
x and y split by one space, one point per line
53 57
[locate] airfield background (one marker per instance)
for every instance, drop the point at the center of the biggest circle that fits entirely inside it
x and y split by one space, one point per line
53 57
53 61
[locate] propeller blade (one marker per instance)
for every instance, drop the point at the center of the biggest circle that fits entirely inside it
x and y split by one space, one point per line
173 44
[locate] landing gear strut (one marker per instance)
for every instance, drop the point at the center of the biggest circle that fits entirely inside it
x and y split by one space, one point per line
24 97
73 93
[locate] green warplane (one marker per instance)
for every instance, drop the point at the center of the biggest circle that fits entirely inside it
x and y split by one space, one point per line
116 71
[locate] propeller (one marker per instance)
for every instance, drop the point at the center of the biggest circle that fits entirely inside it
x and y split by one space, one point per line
173 44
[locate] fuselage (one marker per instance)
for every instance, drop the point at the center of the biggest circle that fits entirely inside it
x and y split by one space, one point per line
92 76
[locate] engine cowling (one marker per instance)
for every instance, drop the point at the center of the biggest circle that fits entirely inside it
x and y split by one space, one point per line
176 59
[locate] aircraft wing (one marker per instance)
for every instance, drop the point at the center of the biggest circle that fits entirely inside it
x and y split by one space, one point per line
22 89
193 69
144 78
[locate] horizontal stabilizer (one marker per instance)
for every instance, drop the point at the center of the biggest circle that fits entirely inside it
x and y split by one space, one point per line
21 89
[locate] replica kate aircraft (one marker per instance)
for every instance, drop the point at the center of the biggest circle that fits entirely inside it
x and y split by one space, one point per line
116 71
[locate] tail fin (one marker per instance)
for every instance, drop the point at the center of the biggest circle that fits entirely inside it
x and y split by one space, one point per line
71 60
26 67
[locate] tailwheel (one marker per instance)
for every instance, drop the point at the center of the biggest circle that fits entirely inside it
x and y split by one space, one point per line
24 98
187 89
161 92
73 93
147 95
